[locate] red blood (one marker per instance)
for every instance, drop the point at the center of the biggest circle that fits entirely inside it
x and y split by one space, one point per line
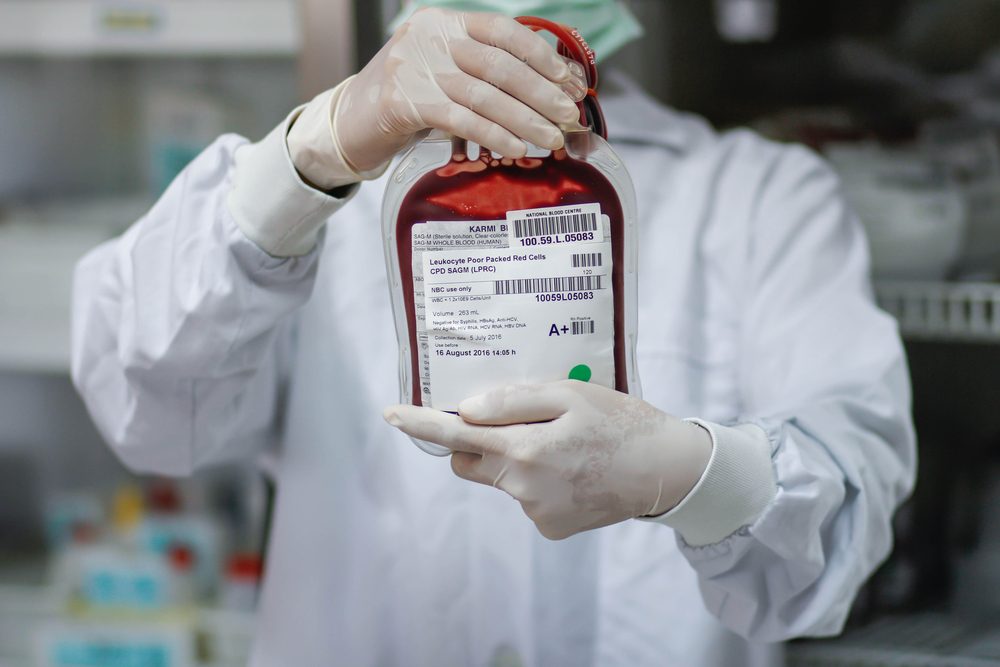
84 533
245 567
479 199
181 557
163 497
476 190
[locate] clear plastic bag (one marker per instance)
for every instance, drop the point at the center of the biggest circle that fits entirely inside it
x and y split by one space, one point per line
512 271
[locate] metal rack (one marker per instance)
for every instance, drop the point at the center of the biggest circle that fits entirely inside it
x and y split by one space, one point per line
919 640
961 312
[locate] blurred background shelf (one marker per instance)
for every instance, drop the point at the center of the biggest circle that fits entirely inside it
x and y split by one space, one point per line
65 28
911 640
218 637
943 312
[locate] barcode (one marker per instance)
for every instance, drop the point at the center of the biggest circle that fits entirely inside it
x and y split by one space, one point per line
582 327
540 285
587 259
570 223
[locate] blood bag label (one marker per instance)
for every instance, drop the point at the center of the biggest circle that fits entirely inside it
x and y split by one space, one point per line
433 237
556 225
491 311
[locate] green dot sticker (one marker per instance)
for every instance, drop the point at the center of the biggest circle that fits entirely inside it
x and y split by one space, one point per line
581 373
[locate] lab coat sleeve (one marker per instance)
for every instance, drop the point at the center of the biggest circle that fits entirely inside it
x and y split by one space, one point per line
182 326
825 390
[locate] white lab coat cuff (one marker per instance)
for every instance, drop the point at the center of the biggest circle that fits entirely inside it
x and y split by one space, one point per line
737 486
271 203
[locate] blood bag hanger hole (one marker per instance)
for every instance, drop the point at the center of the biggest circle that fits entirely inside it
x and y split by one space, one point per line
572 45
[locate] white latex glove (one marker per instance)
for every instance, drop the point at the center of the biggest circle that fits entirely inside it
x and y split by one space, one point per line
482 77
575 455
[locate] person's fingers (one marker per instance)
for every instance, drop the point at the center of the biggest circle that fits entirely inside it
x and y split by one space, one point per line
517 404
522 42
499 107
462 122
489 470
515 78
463 464
554 531
442 428
576 86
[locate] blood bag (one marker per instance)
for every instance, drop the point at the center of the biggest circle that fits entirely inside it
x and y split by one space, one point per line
507 271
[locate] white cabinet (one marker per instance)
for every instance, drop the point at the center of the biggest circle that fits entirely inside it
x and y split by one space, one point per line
149 27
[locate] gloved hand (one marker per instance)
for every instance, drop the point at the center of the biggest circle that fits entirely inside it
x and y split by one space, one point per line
482 77
575 455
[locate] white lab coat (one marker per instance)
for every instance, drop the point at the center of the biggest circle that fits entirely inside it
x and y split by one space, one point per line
191 346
